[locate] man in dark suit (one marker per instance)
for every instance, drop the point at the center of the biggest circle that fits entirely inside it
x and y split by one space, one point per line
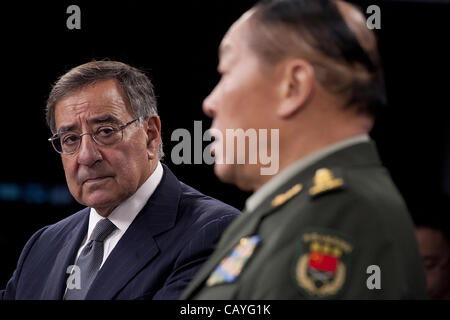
144 234
331 224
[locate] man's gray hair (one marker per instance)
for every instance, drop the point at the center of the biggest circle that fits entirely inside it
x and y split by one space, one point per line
136 85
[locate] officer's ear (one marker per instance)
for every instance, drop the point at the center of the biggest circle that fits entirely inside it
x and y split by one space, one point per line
152 127
296 87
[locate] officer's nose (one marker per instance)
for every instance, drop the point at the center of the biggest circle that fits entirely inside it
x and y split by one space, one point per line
210 104
88 152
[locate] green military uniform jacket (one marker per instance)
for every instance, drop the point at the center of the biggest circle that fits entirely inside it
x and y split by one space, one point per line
339 229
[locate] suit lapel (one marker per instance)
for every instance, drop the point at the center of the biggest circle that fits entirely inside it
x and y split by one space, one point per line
138 247
245 225
56 283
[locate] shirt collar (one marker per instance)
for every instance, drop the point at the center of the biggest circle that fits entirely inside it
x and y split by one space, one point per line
124 214
262 193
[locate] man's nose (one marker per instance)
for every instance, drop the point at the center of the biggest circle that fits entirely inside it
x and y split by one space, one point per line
88 152
209 105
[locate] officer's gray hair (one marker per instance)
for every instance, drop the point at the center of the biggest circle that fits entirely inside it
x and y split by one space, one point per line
136 85
338 44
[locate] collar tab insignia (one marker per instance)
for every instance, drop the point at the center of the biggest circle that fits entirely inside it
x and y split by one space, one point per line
284 197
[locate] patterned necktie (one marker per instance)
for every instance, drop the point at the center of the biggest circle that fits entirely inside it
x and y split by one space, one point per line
89 261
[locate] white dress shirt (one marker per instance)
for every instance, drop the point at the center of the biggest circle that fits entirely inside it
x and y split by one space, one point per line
267 189
124 214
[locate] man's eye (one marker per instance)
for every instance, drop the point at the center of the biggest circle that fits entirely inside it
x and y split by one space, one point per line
105 131
70 139
430 264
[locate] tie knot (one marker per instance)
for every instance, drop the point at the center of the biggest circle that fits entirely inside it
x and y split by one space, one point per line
102 230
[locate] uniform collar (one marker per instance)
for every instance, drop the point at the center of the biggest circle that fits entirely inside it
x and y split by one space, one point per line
267 189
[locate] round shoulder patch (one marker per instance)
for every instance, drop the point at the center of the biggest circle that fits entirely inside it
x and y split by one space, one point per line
321 264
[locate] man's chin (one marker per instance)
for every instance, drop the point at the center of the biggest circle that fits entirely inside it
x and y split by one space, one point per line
229 173
102 202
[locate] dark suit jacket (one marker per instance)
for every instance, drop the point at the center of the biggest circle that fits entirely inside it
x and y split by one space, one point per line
365 216
156 258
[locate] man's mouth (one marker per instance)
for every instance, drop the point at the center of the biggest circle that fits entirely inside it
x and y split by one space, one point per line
95 180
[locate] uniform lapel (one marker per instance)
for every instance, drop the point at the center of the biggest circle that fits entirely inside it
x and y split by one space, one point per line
362 154
138 247
56 284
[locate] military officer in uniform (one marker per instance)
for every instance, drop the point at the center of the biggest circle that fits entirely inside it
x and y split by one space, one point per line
331 224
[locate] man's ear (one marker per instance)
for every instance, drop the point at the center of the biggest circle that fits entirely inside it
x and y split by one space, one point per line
152 126
297 86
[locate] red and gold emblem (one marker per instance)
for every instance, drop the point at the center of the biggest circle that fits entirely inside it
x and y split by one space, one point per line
321 267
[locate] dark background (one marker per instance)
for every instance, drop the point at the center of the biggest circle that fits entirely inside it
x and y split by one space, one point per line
176 43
